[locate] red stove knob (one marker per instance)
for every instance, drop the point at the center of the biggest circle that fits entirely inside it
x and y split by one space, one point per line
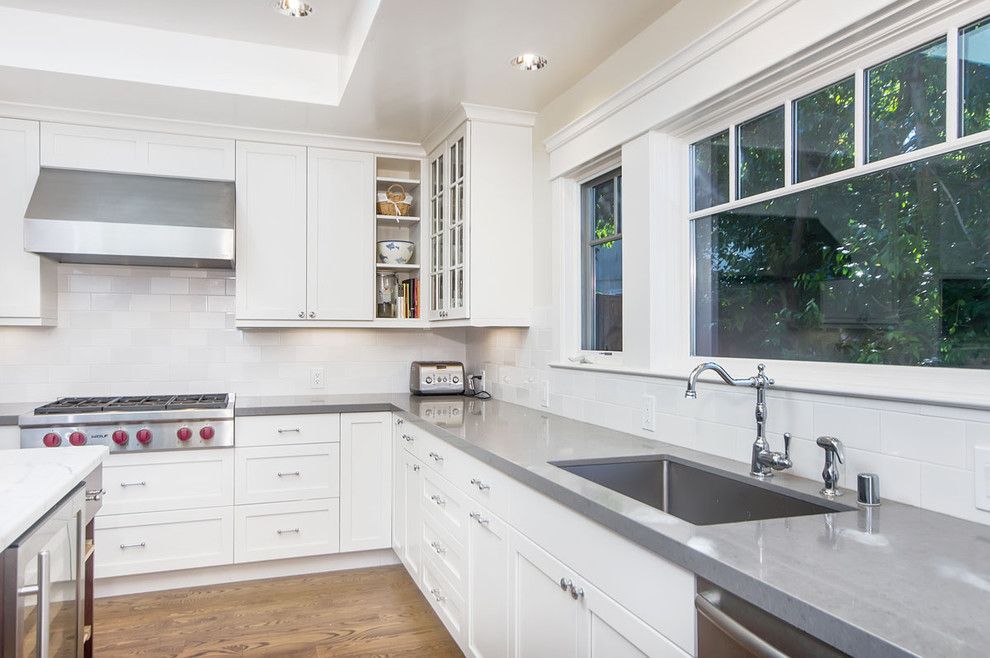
206 433
184 434
77 439
120 437
52 440
144 435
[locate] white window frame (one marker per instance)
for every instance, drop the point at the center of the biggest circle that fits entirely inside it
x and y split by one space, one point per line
674 356
588 242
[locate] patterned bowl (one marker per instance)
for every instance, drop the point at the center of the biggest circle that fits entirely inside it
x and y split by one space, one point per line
395 252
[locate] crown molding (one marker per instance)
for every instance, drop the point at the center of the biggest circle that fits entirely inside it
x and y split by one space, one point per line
200 129
475 112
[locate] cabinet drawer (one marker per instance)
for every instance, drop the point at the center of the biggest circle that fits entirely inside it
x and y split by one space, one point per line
286 430
445 506
283 530
481 483
170 480
296 472
449 555
163 541
446 601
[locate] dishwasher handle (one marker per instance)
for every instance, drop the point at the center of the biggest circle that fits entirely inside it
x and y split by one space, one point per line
736 631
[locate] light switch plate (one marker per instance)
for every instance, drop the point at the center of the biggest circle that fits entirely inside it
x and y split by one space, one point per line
981 483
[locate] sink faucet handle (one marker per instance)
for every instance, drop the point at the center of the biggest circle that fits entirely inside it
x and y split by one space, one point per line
787 444
832 445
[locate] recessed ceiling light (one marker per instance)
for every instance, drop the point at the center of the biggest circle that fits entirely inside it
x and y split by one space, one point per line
529 62
294 8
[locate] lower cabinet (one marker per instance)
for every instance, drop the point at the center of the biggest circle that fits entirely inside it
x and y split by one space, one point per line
281 530
497 591
365 481
163 541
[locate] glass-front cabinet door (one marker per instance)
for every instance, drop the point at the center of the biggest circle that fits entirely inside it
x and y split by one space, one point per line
449 271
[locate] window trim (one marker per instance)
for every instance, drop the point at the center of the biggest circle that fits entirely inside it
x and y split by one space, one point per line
587 263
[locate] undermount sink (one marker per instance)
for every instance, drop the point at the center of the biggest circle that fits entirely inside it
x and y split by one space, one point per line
695 493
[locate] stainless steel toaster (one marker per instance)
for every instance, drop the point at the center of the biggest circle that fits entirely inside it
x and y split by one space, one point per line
436 378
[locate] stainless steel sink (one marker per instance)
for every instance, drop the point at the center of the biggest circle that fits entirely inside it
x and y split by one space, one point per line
698 494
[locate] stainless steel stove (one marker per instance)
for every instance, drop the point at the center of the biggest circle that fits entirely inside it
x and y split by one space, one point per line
132 424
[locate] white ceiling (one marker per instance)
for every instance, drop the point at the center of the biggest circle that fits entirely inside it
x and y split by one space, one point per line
420 59
242 20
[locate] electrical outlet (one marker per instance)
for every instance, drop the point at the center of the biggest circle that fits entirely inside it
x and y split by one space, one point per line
317 378
649 409
545 394
981 488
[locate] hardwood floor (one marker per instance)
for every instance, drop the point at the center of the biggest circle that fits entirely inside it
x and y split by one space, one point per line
365 612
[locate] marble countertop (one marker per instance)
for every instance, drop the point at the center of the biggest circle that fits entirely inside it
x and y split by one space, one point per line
33 481
889 581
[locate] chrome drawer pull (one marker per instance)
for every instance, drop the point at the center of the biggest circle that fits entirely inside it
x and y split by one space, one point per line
27 590
565 584
287 474
438 500
416 468
577 593
95 494
438 548
399 421
436 457
480 519
124 547
436 594
287 430
288 532
481 485
142 483
409 439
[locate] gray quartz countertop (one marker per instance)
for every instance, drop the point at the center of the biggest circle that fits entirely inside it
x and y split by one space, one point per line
9 412
889 581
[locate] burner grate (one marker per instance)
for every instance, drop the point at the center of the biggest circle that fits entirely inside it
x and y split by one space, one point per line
140 403
134 403
204 401
74 405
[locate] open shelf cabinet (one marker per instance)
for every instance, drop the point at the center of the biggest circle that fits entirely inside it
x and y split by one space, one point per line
403 174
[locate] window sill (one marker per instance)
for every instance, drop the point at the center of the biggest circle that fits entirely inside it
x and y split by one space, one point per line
943 395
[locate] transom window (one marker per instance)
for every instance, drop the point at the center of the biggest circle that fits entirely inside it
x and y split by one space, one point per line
601 212
883 264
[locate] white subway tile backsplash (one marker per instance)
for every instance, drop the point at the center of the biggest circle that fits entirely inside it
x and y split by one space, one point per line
168 286
856 427
924 438
87 283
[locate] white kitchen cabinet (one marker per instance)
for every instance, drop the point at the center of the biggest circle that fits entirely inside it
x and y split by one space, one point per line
271 231
554 611
167 480
365 481
488 584
409 515
480 231
305 235
28 282
341 235
68 146
284 530
268 474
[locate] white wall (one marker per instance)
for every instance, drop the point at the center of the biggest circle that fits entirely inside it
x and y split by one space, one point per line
923 453
135 330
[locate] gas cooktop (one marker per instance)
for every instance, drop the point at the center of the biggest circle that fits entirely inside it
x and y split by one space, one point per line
134 403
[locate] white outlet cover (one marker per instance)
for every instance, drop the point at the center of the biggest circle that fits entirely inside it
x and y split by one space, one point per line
545 394
317 378
981 482
649 409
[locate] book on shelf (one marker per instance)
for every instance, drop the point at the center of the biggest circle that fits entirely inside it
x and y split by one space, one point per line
409 298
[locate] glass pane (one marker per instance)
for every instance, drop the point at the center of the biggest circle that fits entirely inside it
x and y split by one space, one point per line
710 159
605 219
892 267
824 131
761 154
460 158
604 314
974 55
906 97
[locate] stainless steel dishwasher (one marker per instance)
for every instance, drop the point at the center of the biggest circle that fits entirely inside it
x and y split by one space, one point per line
729 627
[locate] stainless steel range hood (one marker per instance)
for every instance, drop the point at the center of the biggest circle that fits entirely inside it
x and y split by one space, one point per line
123 219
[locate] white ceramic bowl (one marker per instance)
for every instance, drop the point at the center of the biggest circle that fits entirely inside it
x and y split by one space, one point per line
395 252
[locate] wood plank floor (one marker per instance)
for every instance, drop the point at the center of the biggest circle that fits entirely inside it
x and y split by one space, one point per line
365 612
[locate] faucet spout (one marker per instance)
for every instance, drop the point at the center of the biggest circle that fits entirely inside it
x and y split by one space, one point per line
692 383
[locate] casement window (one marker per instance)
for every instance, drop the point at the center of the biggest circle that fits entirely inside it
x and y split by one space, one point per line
601 245
852 224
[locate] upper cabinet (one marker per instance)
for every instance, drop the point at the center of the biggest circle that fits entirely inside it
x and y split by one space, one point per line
28 282
66 146
480 220
305 235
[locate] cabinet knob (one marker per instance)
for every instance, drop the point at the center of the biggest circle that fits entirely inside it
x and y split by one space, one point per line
302 314
565 584
481 485
312 314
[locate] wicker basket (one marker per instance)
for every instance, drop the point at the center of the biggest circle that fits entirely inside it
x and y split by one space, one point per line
396 201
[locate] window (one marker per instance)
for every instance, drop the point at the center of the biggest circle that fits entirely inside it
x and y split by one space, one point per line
974 53
906 98
824 131
601 211
710 159
761 153
878 263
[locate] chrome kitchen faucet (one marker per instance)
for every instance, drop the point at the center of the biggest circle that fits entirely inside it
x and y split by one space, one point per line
764 461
